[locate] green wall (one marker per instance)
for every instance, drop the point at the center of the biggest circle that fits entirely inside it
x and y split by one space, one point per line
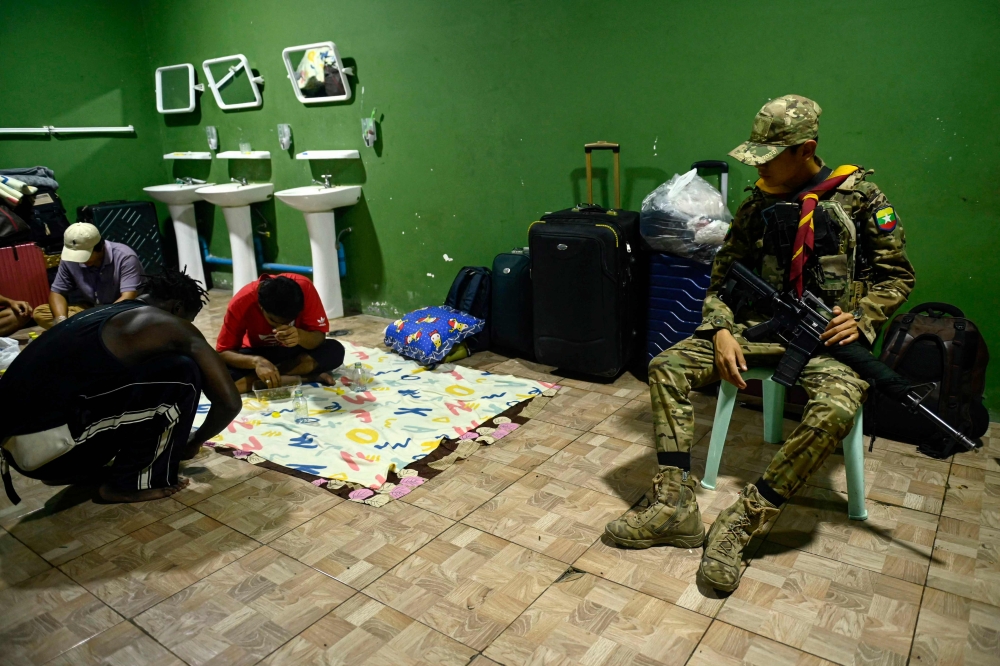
80 64
484 107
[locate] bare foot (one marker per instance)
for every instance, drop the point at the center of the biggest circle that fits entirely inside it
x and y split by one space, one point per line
325 378
109 494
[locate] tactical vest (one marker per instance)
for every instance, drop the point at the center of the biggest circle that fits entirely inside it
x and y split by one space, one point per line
838 271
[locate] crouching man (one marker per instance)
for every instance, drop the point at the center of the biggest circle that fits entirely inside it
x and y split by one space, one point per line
804 227
275 330
117 383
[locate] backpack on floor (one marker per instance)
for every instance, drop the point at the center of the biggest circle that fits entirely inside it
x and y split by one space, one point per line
471 293
936 348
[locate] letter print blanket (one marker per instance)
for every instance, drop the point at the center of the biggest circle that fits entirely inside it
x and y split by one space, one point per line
354 440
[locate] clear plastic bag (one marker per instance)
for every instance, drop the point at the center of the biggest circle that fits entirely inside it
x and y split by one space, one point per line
9 350
686 216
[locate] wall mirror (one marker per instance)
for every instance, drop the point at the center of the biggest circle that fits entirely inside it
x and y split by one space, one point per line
175 88
317 73
233 84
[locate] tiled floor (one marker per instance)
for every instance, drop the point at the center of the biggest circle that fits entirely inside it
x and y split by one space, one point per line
501 559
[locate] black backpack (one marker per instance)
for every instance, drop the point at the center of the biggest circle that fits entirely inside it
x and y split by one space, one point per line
941 353
471 292
13 229
47 220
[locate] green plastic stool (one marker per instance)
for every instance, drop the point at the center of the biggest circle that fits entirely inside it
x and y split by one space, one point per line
774 408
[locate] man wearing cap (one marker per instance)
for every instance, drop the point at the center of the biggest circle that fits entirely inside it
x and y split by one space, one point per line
92 272
803 227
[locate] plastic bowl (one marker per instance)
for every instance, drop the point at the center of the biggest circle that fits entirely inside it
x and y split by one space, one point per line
277 394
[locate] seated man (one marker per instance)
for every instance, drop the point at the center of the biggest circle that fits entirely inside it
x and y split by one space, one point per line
117 383
277 327
93 271
14 315
849 251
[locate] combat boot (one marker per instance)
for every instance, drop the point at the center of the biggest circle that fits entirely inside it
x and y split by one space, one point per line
671 516
730 533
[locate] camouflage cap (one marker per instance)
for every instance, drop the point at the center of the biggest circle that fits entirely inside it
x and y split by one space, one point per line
782 122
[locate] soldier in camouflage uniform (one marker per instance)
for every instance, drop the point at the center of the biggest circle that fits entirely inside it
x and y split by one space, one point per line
858 266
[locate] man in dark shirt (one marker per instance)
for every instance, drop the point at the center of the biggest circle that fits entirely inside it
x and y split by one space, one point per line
122 383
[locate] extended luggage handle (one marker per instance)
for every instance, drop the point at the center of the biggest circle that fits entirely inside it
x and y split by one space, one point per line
603 145
723 168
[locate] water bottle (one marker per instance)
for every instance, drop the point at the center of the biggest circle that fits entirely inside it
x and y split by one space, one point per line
299 405
358 378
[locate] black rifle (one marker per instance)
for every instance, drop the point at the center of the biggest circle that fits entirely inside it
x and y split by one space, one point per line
799 323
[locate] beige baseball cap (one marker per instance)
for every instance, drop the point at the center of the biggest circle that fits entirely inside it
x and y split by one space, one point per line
79 242
782 122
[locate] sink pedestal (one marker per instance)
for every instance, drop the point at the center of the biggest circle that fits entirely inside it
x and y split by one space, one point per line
326 271
186 232
241 245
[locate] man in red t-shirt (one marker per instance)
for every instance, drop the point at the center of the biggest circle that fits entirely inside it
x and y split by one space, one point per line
277 327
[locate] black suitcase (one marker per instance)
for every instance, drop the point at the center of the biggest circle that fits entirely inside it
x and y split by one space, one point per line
511 322
582 270
133 223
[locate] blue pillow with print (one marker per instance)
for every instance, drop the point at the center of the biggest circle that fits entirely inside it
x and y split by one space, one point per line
428 334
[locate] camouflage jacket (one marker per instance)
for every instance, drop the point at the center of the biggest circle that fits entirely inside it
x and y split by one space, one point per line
866 233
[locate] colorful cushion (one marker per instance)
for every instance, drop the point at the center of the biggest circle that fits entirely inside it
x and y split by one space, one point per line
427 335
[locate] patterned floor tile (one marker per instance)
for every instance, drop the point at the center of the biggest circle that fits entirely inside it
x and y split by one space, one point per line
211 473
549 516
629 388
956 630
243 612
966 560
463 487
356 543
632 423
483 360
467 584
520 367
71 524
42 617
906 480
363 632
578 409
605 464
987 457
530 445
843 613
17 562
268 505
894 541
589 620
725 645
666 573
973 496
35 495
122 644
480 660
147 566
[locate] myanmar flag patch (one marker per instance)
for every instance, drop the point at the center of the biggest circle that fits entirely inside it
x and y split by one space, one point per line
886 219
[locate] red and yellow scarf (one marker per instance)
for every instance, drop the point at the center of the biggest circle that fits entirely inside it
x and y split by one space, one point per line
803 246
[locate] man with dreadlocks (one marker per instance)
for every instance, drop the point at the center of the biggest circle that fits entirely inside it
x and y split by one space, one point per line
804 226
117 383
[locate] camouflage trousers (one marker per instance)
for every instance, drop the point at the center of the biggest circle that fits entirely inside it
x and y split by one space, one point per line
835 393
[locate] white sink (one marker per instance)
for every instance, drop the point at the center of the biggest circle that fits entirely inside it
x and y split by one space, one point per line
180 200
175 194
236 194
317 203
235 200
318 199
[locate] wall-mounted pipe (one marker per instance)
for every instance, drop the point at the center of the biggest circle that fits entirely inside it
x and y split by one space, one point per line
341 257
262 265
210 260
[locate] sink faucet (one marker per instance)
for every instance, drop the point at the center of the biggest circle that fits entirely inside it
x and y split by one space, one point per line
326 181
241 181
188 180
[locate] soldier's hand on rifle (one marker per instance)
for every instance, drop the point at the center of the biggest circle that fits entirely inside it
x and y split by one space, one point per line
843 328
729 358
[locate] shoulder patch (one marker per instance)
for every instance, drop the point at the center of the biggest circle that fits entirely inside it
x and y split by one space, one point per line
885 218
